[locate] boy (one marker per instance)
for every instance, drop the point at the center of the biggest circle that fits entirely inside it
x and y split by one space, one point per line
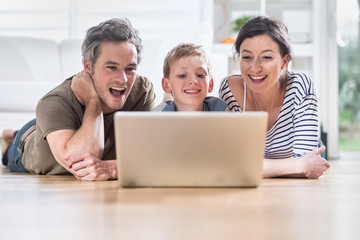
188 79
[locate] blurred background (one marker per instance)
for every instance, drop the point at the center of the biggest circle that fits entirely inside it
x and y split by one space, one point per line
324 33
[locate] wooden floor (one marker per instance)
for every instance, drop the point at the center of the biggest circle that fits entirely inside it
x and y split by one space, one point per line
60 207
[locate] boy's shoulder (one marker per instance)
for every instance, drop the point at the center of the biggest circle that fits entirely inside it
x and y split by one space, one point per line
214 104
167 105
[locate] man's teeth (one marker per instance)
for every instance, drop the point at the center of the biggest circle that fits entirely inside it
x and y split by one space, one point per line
118 89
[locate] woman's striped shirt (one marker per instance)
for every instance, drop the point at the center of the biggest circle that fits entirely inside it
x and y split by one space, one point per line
296 129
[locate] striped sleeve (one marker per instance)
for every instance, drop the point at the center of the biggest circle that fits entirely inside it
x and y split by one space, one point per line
226 95
305 117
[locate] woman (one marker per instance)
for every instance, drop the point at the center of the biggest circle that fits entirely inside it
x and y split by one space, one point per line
265 84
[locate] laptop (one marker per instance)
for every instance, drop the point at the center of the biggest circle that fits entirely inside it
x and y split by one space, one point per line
190 149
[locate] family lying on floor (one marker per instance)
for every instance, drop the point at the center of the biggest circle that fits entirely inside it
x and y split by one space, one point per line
73 129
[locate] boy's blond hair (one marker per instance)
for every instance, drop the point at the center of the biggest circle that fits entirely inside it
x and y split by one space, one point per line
185 50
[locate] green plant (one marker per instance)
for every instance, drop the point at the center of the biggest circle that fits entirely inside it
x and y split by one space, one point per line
237 23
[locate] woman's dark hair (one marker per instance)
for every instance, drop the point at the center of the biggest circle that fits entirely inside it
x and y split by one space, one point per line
262 25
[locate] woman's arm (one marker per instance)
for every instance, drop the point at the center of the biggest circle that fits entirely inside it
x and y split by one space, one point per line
306 160
310 165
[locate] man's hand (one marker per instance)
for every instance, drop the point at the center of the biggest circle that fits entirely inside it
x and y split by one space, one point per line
313 164
89 167
83 87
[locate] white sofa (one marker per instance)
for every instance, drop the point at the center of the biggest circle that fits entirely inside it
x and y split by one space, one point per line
29 68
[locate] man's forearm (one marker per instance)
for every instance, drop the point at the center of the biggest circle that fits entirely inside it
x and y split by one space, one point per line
89 138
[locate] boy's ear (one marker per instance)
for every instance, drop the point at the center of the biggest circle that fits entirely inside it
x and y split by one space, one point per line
165 85
87 66
211 85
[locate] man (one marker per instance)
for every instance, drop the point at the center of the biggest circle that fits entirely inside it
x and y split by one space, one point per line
73 131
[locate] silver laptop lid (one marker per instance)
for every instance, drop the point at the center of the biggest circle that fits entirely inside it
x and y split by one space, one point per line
190 149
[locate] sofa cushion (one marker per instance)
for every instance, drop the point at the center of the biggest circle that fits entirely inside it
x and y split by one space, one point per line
29 59
23 96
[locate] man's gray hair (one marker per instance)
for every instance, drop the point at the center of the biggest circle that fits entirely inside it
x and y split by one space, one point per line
116 29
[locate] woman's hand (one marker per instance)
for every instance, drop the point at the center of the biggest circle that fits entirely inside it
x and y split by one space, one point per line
312 164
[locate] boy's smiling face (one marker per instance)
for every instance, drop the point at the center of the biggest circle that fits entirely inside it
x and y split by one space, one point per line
189 82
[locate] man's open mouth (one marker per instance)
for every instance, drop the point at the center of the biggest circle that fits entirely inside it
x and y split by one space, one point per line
117 91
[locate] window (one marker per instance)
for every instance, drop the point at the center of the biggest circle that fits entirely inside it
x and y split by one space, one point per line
349 74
